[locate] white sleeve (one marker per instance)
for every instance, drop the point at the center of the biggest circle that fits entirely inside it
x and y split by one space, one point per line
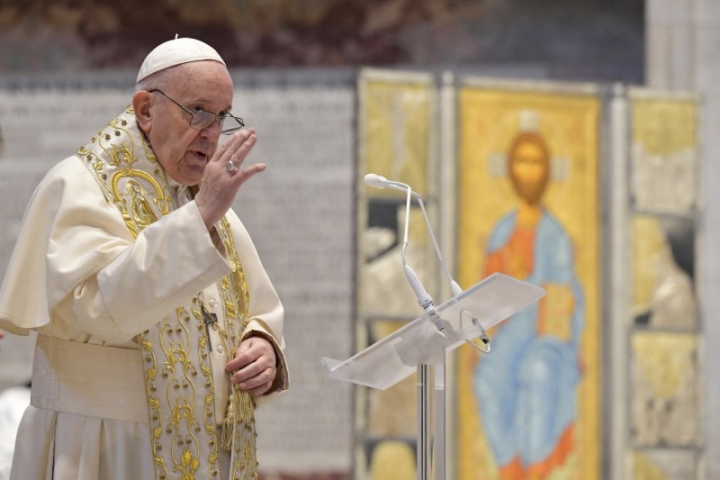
74 244
169 262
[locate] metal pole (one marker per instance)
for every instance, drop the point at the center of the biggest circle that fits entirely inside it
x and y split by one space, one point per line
439 424
424 450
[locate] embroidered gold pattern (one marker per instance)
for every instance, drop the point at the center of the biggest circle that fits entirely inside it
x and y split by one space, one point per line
180 401
105 157
236 298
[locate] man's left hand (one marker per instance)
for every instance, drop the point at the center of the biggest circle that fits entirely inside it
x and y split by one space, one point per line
253 368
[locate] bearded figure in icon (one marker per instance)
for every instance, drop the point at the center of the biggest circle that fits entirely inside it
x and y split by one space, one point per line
526 389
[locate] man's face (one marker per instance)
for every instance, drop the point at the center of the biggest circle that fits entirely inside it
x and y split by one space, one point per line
182 150
529 169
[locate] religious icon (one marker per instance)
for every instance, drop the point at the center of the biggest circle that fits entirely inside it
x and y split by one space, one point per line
527 387
529 409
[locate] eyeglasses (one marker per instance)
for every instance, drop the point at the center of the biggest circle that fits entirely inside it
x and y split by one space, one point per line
201 119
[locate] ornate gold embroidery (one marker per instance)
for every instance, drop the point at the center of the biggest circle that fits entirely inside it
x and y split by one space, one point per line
114 156
237 298
189 464
141 210
155 420
240 293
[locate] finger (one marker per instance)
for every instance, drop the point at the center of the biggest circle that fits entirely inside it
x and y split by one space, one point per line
251 350
231 145
238 157
253 369
263 377
245 374
243 357
241 176
242 149
239 137
231 166
228 147
246 354
260 390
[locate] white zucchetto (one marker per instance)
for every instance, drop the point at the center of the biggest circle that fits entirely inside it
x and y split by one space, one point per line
176 52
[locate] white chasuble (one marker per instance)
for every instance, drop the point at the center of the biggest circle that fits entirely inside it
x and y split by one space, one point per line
176 351
193 413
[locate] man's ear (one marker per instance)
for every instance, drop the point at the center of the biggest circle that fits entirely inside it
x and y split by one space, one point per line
141 102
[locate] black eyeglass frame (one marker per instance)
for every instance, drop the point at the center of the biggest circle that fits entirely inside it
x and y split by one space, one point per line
198 125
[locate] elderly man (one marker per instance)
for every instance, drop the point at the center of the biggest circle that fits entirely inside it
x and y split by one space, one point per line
158 328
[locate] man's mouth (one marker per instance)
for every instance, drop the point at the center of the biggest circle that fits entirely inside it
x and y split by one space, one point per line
200 155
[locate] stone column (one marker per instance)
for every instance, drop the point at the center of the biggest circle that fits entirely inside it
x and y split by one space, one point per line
707 82
683 52
670 43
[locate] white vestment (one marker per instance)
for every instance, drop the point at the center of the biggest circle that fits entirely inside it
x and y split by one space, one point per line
77 276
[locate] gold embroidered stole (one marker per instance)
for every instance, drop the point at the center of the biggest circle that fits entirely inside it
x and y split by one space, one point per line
176 351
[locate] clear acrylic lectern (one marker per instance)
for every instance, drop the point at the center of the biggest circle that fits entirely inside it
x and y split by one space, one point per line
422 345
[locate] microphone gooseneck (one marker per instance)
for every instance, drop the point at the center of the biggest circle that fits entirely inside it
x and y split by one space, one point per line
423 297
380 182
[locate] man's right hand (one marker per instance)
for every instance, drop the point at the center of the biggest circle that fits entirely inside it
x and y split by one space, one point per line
219 185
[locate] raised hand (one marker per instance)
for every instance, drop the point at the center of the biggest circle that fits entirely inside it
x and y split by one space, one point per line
223 176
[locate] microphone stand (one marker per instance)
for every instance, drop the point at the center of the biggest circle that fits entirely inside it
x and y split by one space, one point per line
431 377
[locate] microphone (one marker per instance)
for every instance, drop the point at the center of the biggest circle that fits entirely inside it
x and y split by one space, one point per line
423 297
376 181
380 182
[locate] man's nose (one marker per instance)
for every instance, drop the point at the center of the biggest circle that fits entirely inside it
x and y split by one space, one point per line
212 131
